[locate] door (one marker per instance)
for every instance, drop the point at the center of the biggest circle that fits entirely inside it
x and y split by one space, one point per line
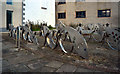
9 18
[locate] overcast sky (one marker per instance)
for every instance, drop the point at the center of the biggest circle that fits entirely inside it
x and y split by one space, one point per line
33 11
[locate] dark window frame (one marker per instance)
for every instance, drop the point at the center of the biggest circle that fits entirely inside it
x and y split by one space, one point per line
62 15
9 2
9 18
79 0
104 13
62 2
80 14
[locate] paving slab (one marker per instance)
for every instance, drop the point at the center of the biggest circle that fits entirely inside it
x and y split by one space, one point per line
32 46
7 45
20 68
7 69
5 63
83 70
36 65
0 64
1 39
43 61
8 56
67 68
16 60
46 69
105 73
54 64
97 71
22 57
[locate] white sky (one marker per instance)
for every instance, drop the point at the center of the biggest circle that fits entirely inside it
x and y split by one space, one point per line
33 11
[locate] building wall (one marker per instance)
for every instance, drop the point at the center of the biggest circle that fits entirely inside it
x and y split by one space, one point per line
119 15
16 7
91 9
0 15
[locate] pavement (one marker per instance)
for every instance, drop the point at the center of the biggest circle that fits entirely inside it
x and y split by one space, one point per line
32 58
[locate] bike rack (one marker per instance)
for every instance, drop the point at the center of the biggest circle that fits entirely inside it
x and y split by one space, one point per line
53 38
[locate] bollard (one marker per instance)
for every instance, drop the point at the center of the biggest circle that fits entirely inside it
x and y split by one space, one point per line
18 38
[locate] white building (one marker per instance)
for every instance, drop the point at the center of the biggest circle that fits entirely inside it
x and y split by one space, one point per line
11 12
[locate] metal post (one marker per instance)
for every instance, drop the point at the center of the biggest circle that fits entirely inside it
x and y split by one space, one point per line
16 38
19 38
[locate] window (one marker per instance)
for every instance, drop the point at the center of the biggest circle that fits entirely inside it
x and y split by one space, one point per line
61 15
9 18
80 0
62 2
9 2
80 14
104 13
23 13
24 4
23 9
23 18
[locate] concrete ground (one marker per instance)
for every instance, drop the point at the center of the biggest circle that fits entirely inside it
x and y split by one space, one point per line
32 58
